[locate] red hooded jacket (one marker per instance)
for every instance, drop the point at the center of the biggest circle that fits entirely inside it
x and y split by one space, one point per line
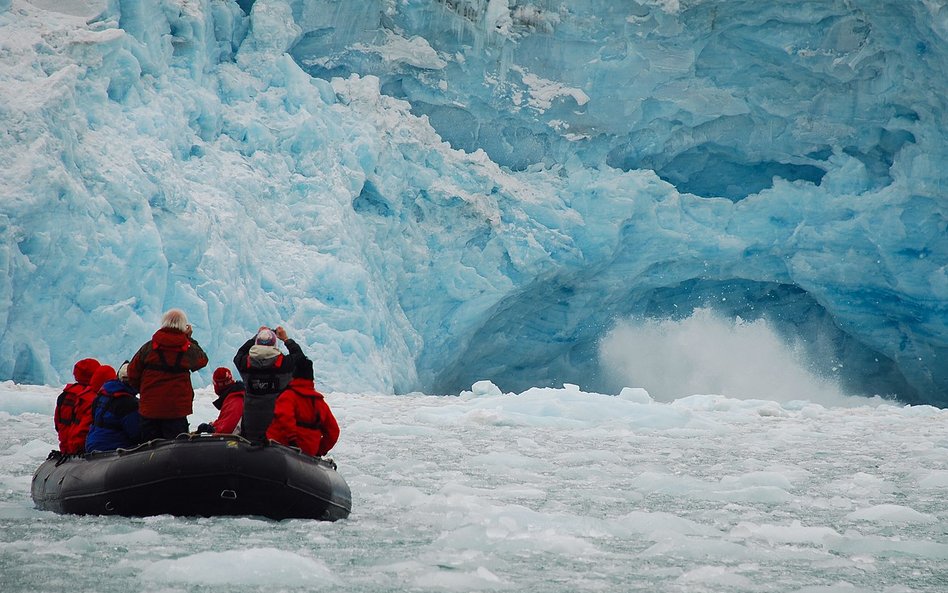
161 372
302 418
73 415
230 402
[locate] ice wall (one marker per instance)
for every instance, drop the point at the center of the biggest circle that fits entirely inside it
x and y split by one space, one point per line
827 118
299 165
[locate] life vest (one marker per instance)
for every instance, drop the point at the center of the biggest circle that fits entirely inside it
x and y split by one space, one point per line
315 424
263 380
115 419
162 364
66 405
108 414
73 417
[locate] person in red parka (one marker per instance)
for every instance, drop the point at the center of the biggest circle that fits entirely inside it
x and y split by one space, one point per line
301 416
161 372
230 401
73 414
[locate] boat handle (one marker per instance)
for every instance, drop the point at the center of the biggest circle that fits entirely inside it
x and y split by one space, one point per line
229 494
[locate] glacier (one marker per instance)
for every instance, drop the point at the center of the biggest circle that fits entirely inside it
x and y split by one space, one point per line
431 193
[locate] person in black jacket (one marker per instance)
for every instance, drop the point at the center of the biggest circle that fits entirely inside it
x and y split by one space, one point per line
266 371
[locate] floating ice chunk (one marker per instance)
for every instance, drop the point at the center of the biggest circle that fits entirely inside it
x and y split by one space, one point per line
443 579
263 567
761 478
890 513
936 480
483 388
717 576
795 533
636 395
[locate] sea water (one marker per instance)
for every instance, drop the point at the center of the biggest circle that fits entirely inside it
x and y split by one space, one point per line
547 490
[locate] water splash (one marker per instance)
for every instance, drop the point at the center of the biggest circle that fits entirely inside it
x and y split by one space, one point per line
708 354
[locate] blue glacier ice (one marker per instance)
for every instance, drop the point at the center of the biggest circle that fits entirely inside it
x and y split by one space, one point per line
428 193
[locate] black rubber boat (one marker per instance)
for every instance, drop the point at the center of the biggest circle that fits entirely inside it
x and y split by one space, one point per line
194 475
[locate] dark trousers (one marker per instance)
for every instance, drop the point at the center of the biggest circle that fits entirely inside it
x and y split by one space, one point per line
162 428
258 414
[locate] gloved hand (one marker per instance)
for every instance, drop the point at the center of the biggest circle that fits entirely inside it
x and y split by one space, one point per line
205 428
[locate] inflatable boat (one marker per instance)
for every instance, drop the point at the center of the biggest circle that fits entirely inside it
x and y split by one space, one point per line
194 475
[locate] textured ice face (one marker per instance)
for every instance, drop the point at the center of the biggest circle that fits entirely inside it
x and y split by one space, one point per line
716 97
829 116
637 160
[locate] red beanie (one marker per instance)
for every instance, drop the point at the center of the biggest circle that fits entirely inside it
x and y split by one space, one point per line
84 369
101 375
222 377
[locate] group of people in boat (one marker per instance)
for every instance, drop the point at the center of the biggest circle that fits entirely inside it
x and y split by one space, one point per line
151 396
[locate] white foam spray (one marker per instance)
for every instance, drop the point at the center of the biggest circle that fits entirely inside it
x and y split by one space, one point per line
707 354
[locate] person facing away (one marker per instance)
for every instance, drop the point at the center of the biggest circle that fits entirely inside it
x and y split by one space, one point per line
230 402
161 372
266 371
115 419
301 416
73 414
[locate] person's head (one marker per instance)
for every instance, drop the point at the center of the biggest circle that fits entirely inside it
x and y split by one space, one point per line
304 369
175 319
122 374
265 337
222 379
84 369
101 376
